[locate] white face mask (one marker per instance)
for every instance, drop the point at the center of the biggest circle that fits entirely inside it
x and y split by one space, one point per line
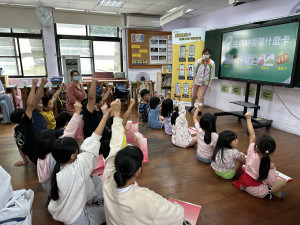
205 57
77 78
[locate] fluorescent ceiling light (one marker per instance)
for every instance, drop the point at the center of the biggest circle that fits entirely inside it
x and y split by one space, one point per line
174 14
170 10
110 3
68 9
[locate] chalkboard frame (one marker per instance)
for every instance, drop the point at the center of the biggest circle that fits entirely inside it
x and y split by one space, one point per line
260 25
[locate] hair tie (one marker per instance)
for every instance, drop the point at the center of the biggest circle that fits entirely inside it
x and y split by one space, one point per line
267 152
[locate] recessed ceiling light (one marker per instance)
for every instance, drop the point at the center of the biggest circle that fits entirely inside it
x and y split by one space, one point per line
171 10
110 3
189 10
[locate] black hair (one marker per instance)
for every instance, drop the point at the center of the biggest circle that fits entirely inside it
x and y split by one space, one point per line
266 145
62 119
45 101
144 92
84 103
98 98
224 140
206 50
208 123
154 102
45 141
105 142
62 150
17 115
74 71
127 163
167 107
174 116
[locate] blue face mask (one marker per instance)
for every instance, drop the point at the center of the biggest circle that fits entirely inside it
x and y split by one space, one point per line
205 57
77 78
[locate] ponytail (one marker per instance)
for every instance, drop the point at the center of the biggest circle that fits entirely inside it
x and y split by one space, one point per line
266 145
54 188
208 123
174 116
127 163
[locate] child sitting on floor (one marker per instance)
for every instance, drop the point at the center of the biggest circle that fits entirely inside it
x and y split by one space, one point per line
144 105
76 197
226 160
45 140
206 135
47 112
260 178
181 136
166 112
154 120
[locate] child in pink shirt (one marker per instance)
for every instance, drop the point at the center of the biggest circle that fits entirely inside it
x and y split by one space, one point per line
260 177
206 135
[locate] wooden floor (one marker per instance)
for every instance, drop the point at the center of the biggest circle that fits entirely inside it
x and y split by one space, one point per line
175 172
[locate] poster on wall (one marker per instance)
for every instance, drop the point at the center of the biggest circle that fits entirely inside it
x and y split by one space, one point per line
188 45
177 88
169 49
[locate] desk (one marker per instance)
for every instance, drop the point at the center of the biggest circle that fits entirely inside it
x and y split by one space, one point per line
10 89
26 89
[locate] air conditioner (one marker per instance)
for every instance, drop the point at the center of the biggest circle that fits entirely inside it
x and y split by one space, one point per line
147 22
239 2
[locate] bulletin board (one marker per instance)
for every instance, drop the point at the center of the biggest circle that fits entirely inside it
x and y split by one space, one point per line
149 49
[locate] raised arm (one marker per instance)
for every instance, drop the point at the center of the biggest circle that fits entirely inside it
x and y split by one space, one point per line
92 96
116 139
106 94
72 127
199 108
128 112
40 91
55 96
31 99
250 128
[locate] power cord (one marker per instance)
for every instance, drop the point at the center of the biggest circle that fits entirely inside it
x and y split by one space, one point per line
284 104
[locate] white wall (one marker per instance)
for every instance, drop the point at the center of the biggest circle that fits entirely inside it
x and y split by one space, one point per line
251 12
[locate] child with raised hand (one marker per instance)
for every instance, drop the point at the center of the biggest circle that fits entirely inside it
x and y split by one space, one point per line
166 112
226 159
144 105
206 135
134 205
154 120
260 178
181 136
47 112
25 133
76 197
45 140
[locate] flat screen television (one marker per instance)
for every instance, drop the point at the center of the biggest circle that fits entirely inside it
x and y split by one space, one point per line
264 54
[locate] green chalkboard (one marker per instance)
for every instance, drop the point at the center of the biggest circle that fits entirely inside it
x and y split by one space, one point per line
213 42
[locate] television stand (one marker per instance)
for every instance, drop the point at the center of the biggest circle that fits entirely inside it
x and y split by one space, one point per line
259 122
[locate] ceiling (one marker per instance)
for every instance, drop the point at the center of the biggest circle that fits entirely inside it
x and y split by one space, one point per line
148 7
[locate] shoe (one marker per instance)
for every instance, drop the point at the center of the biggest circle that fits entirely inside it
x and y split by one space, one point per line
190 109
199 113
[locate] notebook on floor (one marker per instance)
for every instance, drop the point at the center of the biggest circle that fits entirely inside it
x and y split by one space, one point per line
192 130
191 211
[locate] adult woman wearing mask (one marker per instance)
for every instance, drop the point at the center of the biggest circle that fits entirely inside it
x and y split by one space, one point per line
74 91
204 72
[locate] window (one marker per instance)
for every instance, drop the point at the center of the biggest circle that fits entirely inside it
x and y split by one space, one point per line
107 56
99 49
25 31
22 54
5 30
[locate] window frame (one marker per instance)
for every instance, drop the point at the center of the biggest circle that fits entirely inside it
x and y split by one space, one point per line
18 36
58 37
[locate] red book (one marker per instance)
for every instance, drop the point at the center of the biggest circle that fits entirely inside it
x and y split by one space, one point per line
285 177
191 211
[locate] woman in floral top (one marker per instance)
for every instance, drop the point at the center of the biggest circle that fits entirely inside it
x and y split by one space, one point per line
181 136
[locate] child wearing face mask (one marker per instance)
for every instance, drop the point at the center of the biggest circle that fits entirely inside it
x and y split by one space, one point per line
74 92
204 72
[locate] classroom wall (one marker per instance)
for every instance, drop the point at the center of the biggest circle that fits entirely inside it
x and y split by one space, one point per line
251 12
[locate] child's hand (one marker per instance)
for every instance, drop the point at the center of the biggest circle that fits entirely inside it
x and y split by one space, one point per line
104 110
116 105
44 80
178 96
63 86
35 81
132 102
160 95
78 107
94 79
200 106
248 115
